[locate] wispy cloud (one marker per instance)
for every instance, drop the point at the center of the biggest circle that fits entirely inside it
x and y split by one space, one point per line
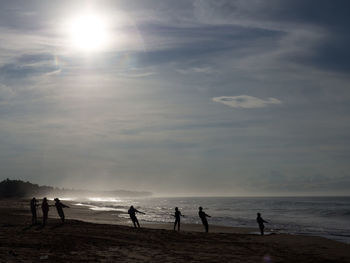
246 102
204 70
137 74
5 93
69 115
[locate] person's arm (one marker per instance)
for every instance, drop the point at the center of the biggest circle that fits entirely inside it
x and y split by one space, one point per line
265 221
207 215
63 205
139 212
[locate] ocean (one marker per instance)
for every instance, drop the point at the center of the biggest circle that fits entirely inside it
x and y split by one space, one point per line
317 216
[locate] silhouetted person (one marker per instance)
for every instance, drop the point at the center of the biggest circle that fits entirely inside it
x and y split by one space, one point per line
33 205
203 217
177 216
132 212
45 209
261 222
59 207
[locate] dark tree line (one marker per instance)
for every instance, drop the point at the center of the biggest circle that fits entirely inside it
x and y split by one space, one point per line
17 188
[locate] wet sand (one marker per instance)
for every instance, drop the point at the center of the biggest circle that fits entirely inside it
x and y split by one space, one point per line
78 241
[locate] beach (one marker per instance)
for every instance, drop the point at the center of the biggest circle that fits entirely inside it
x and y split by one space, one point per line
79 241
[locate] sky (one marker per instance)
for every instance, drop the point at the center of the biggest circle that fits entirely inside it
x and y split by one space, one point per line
195 97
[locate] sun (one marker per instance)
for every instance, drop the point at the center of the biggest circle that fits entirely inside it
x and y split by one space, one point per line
88 32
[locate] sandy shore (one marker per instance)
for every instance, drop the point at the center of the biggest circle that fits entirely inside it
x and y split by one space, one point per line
78 241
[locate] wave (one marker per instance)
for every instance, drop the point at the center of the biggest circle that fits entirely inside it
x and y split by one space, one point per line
312 216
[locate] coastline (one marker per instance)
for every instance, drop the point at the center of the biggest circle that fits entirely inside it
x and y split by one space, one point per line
78 241
84 214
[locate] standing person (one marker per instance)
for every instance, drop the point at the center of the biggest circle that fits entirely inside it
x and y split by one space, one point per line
33 205
203 216
45 209
59 207
177 219
261 222
132 212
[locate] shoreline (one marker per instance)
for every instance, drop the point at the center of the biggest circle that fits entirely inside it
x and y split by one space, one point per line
79 241
84 214
91 216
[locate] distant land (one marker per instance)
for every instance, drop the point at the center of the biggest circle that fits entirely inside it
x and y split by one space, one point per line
17 188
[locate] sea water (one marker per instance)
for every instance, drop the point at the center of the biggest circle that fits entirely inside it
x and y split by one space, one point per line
319 216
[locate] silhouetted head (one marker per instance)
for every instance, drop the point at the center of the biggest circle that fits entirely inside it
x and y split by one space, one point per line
176 208
34 199
258 214
131 207
200 208
45 199
56 199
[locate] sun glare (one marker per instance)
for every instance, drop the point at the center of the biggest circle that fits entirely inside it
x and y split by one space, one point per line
89 32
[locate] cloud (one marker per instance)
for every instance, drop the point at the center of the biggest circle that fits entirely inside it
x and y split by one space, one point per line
137 74
246 102
277 181
136 110
204 70
6 93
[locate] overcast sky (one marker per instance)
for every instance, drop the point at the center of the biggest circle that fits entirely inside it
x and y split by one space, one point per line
196 97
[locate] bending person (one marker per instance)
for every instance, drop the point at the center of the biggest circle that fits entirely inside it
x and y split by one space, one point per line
132 212
177 219
203 216
59 207
261 222
45 209
33 205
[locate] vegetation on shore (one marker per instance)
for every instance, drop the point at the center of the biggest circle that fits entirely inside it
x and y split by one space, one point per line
18 188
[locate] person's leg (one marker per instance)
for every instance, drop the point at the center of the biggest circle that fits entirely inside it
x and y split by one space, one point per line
203 222
61 214
261 229
176 223
45 219
138 224
206 227
133 221
178 226
34 221
33 217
